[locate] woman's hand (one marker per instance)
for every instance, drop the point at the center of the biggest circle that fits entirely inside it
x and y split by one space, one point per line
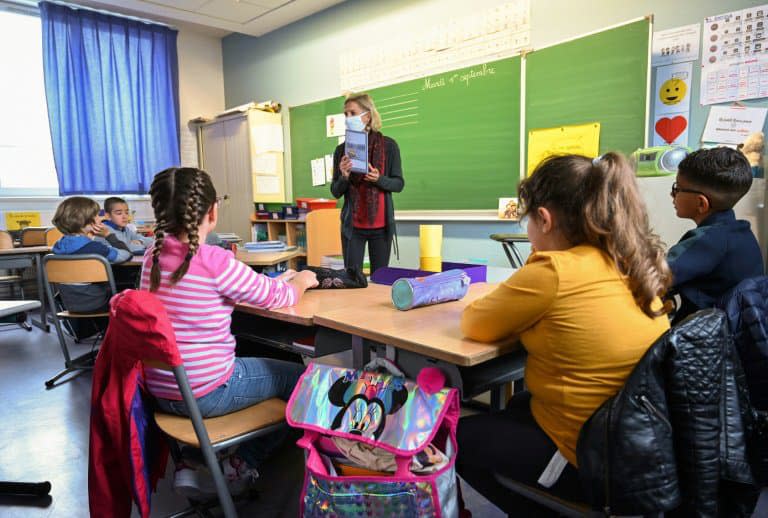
372 175
346 166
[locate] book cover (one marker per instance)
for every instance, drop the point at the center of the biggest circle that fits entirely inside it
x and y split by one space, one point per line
356 148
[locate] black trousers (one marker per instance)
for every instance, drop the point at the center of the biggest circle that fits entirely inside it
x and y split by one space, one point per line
512 444
379 248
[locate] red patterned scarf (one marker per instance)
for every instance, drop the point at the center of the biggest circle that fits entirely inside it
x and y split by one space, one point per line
365 195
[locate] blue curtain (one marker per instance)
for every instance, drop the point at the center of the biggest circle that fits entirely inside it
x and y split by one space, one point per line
113 99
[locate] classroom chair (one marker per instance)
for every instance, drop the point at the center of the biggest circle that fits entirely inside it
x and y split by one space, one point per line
12 279
33 236
509 242
216 433
52 235
73 269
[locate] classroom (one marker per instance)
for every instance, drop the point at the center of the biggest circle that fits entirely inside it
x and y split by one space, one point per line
378 258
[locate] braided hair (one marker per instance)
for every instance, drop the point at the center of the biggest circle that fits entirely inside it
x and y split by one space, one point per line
181 197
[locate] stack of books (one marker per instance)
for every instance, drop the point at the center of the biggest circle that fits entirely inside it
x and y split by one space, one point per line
335 262
230 239
266 246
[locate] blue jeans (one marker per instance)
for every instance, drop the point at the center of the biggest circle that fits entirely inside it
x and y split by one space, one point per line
253 380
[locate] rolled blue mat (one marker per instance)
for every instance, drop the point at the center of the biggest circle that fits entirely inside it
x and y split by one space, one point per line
432 289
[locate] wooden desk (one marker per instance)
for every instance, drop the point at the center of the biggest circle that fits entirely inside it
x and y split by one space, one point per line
431 331
267 258
31 254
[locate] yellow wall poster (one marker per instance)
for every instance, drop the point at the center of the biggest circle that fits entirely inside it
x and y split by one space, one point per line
582 139
19 220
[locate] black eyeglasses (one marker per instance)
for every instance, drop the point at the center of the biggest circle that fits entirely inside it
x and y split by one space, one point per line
222 199
676 189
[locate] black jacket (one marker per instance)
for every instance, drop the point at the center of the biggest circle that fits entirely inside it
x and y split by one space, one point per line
390 181
674 437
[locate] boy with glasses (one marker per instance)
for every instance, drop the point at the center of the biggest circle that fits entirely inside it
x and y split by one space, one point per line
721 251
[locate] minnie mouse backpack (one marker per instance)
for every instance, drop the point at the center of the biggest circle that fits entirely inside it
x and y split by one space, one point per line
376 444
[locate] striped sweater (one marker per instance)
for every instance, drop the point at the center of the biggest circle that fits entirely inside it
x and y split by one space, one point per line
200 309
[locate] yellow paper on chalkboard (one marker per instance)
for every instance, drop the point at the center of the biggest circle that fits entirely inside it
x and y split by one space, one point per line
582 139
19 220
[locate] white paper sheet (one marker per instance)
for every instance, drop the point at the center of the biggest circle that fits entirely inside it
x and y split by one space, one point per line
267 137
267 184
676 45
329 168
265 163
318 171
733 124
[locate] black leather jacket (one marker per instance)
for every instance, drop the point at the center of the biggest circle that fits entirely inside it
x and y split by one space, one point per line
674 437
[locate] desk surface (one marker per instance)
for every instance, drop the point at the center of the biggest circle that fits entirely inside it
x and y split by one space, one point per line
315 301
25 250
431 331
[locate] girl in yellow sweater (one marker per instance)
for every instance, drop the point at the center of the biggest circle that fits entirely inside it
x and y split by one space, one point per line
585 306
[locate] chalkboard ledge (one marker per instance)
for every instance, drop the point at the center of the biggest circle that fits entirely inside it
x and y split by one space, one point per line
449 215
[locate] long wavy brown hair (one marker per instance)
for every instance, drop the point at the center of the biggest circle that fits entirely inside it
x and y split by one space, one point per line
596 202
181 197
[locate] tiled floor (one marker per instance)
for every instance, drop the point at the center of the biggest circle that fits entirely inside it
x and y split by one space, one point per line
44 436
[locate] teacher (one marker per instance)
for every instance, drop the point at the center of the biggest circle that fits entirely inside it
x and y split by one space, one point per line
368 214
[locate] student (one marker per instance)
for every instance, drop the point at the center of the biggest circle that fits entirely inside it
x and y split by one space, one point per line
118 216
368 214
721 251
199 285
76 218
585 306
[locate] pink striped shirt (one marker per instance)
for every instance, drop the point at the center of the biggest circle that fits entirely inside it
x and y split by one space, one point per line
200 309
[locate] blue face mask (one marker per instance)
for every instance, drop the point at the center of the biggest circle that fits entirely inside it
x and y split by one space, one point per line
355 122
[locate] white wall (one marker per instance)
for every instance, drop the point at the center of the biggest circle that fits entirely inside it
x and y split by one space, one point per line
201 92
300 63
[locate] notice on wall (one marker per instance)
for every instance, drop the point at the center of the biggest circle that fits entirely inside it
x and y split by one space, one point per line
329 168
318 171
733 124
735 56
267 184
266 163
582 139
267 137
19 220
676 45
672 104
335 125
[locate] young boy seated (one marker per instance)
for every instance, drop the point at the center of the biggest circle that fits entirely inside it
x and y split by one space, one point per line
721 251
76 218
117 218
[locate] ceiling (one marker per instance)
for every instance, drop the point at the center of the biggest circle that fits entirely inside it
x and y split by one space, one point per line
217 17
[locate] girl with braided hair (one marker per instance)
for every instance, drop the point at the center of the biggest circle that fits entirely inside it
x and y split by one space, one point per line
199 286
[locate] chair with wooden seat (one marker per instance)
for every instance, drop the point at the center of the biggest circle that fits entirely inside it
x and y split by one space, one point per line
33 236
52 235
509 242
74 269
216 433
13 279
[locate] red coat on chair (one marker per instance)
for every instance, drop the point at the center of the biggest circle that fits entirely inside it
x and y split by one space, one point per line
127 453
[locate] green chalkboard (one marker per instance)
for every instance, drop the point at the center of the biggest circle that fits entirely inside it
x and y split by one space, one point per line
598 78
458 133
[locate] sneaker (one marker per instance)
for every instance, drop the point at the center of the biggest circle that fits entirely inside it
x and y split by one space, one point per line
193 482
238 475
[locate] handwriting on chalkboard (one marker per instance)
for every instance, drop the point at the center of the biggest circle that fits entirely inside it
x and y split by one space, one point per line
464 77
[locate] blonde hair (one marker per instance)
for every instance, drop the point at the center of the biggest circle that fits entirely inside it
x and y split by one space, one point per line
366 103
597 203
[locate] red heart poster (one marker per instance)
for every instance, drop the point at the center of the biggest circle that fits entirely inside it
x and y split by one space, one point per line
670 129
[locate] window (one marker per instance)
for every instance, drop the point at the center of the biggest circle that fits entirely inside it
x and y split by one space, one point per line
26 156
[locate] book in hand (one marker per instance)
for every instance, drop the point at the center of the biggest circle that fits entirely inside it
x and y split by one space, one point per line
356 148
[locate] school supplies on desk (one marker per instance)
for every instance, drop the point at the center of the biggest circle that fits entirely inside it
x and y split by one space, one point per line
430 247
267 246
433 289
356 148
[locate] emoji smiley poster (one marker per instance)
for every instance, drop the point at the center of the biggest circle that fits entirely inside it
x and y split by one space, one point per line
672 104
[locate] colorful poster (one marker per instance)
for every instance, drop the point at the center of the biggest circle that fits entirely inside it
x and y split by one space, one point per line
672 104
583 139
19 220
335 125
508 208
735 56
676 45
733 124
